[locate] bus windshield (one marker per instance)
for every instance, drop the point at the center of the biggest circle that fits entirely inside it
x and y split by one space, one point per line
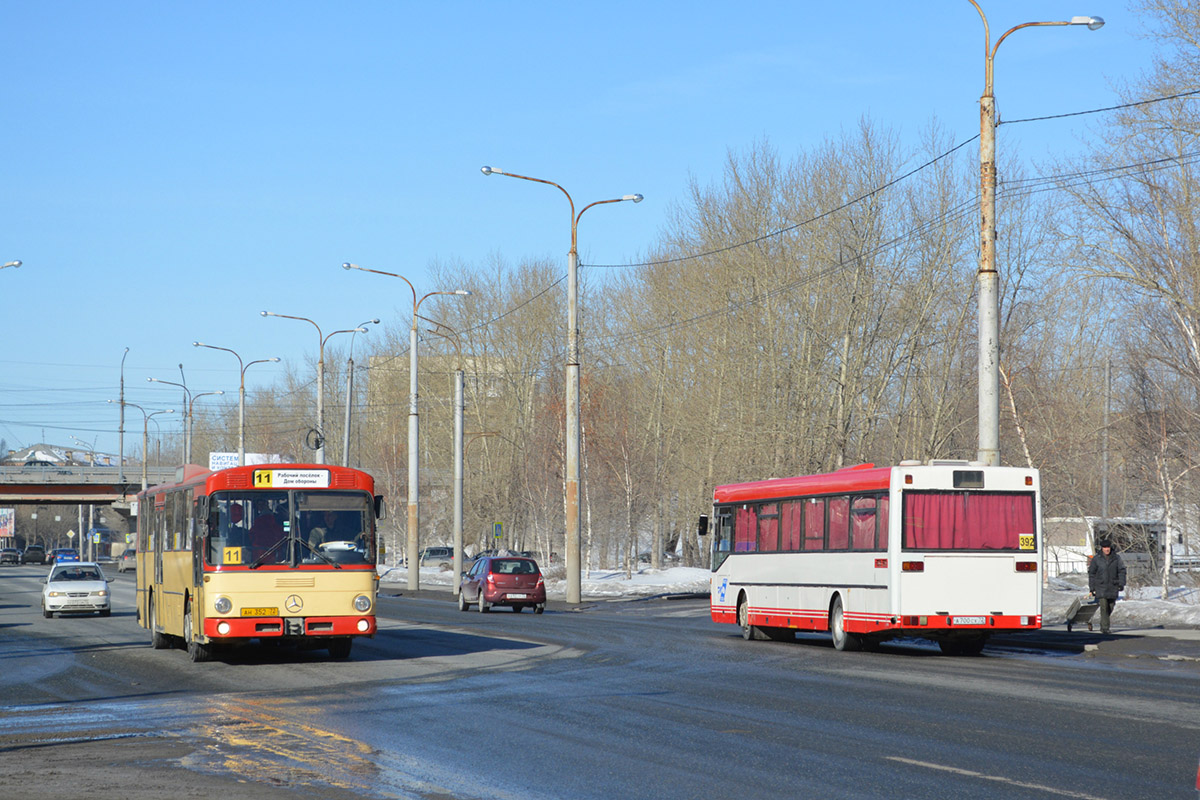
969 521
293 528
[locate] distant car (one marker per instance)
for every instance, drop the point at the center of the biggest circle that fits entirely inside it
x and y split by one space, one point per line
437 556
10 555
61 554
503 581
73 587
34 554
128 560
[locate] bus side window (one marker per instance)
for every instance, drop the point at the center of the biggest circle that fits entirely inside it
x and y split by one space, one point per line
792 534
862 523
745 530
814 524
881 512
768 527
839 523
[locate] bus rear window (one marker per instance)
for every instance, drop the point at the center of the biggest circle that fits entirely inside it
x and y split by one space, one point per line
967 520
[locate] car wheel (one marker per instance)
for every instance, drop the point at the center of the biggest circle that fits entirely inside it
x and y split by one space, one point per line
539 608
340 648
157 640
518 608
197 652
484 607
106 612
842 640
462 601
47 613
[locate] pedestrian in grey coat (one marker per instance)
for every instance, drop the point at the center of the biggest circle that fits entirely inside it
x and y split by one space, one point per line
1106 580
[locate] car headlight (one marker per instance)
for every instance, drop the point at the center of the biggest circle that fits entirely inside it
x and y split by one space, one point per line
54 594
101 593
362 603
223 605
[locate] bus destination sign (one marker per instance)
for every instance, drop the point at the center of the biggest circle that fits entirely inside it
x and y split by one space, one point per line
291 479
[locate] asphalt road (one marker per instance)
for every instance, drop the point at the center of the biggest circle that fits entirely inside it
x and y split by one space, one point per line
619 699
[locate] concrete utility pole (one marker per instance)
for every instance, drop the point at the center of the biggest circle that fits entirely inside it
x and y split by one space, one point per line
574 431
988 278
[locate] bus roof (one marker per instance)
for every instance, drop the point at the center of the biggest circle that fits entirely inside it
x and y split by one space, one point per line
859 478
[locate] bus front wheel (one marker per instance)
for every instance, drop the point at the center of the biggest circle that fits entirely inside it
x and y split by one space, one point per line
749 631
197 651
842 639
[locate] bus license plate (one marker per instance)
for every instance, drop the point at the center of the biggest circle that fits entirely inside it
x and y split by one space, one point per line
516 596
968 620
260 612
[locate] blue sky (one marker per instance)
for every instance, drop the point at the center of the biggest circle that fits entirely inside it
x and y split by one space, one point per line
171 169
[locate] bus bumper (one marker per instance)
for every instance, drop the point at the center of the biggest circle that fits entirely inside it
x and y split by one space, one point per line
291 627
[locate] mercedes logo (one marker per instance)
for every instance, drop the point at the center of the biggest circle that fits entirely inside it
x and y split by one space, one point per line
293 603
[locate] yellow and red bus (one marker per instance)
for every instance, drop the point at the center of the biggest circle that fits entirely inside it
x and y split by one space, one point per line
949 551
273 552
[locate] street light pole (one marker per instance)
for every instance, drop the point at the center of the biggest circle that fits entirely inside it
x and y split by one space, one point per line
574 433
459 407
241 393
321 340
412 549
192 416
146 435
988 278
121 429
350 393
187 404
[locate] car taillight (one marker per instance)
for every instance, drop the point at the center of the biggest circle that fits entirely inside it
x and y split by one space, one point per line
540 581
1026 566
913 566
491 578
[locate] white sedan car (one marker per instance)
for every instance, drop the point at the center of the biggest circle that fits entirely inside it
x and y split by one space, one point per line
78 586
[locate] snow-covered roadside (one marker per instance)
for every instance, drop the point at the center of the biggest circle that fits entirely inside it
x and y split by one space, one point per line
1140 608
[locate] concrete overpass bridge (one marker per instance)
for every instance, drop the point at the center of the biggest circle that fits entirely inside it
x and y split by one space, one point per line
71 484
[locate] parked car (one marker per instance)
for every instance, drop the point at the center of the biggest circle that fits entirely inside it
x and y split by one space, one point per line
34 554
128 560
60 554
503 581
437 556
10 555
77 586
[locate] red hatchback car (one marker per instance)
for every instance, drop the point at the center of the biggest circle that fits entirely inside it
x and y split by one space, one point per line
503 581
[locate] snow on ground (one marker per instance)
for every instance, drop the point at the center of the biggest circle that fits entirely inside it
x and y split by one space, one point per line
1138 608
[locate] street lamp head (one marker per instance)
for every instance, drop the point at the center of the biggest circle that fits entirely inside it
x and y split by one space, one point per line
1093 23
265 313
274 359
12 264
462 291
347 265
198 344
637 198
491 170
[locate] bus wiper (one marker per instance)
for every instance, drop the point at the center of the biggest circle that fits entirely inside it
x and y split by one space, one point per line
319 554
262 559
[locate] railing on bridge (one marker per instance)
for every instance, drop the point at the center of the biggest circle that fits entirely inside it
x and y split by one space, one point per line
78 474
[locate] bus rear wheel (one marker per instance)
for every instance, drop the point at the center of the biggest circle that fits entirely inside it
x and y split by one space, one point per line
842 639
972 646
158 640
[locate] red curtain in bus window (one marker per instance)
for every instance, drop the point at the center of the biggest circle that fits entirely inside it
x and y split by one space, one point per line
881 511
768 527
814 524
966 520
793 536
839 523
862 523
745 530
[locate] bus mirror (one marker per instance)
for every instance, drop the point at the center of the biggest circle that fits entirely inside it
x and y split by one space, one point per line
702 528
203 507
380 507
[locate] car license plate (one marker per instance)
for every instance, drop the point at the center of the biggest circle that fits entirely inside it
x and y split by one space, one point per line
516 596
260 612
968 620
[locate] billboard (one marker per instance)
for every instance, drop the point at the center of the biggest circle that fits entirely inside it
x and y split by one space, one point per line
218 461
8 523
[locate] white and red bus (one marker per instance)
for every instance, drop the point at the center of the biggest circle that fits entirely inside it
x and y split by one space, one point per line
279 552
949 551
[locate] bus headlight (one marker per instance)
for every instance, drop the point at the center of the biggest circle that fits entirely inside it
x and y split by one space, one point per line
223 605
362 603
223 628
363 625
